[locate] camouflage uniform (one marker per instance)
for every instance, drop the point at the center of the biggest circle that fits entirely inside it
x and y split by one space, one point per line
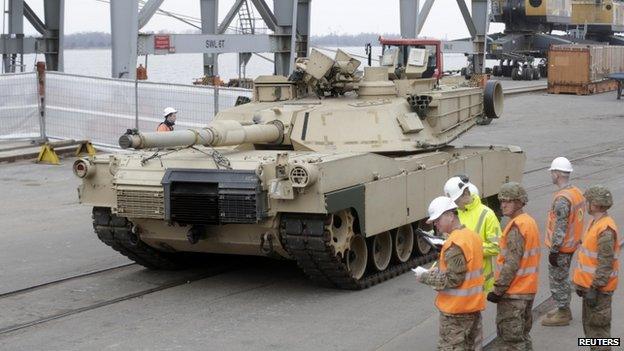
597 319
513 314
457 331
559 277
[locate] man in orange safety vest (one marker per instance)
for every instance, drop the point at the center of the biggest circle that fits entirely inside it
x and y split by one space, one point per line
458 280
516 271
596 272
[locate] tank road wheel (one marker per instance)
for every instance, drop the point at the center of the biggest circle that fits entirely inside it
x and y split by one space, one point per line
515 73
380 251
341 231
403 243
421 245
357 256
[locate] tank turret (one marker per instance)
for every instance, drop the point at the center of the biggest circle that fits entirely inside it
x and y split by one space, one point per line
356 114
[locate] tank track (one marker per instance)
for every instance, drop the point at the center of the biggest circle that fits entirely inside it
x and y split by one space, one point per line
116 232
304 237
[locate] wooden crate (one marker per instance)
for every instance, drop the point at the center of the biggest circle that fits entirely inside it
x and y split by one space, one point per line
583 88
584 63
583 69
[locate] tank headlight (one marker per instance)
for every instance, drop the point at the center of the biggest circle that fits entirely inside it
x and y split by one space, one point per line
302 176
82 169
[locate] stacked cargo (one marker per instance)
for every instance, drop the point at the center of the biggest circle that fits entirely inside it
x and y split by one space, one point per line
583 69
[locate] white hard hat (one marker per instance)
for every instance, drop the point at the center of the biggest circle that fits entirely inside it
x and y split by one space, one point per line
438 206
454 187
561 164
473 189
169 110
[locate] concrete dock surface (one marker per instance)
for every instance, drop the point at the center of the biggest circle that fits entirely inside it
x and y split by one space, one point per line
265 304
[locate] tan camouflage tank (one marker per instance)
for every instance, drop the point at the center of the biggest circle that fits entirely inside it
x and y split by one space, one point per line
327 168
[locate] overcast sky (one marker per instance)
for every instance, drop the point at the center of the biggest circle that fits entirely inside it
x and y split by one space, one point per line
328 16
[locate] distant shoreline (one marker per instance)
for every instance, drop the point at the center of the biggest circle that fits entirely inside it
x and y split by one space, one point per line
101 40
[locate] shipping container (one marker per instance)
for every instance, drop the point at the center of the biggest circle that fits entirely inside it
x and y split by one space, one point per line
583 69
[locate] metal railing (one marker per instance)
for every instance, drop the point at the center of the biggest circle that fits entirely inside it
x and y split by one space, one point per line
101 109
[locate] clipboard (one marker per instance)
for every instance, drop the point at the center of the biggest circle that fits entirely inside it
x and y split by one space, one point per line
434 241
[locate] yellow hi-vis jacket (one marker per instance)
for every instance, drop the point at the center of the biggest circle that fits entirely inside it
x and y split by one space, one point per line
483 221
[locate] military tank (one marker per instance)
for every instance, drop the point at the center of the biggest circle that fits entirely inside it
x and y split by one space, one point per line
326 167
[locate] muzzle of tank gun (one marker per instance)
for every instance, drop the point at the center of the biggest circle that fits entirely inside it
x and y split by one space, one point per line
419 104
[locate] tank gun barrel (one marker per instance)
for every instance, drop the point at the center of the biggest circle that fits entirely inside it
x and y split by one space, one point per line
218 133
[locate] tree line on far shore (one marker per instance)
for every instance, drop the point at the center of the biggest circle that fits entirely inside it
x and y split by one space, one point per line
89 40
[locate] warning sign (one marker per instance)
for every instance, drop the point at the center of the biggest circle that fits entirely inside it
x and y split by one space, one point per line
162 42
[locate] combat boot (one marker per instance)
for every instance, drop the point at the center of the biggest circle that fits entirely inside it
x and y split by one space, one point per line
560 317
552 313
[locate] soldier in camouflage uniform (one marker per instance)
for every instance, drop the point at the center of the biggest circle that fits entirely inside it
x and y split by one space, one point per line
459 329
559 239
595 275
516 272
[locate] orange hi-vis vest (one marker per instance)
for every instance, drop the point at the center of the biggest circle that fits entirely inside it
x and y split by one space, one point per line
468 297
527 276
575 220
587 259
164 128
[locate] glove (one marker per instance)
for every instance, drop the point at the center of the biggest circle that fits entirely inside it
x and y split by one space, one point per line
419 271
580 292
591 296
494 298
552 259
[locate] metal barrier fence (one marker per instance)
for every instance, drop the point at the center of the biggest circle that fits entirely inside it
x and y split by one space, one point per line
19 108
101 109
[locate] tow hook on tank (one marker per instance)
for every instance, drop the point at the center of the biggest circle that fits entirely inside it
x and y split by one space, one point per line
266 243
133 236
195 233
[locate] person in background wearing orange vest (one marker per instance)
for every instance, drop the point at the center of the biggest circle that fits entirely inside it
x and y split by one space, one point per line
596 272
563 233
516 271
170 117
458 280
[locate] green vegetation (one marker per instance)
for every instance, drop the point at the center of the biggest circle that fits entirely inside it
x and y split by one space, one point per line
87 40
